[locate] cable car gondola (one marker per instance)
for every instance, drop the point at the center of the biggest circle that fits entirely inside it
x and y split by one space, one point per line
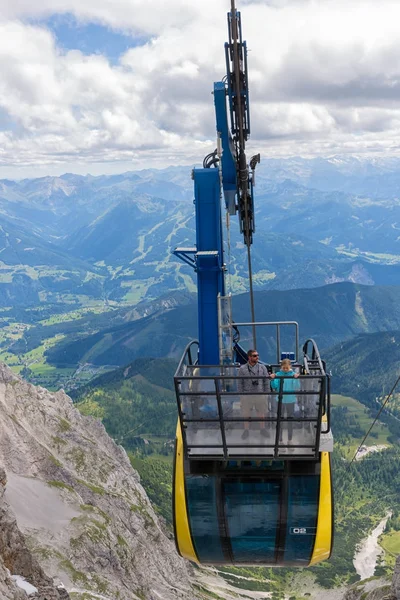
264 499
259 501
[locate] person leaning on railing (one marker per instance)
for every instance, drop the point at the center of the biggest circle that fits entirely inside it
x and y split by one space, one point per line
254 378
290 384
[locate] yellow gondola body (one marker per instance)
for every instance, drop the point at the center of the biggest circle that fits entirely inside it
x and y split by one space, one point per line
266 502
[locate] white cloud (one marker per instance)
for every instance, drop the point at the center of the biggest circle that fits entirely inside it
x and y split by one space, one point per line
150 17
324 78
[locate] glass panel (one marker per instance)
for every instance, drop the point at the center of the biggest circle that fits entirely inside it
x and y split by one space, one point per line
302 518
252 511
201 371
230 384
287 427
296 438
231 410
247 436
249 443
309 434
310 402
199 407
207 407
301 400
273 406
250 432
254 406
230 406
202 508
206 436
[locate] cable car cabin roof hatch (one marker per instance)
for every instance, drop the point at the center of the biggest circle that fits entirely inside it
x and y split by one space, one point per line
252 471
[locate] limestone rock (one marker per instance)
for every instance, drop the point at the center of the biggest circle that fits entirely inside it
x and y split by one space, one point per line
396 580
370 590
79 504
16 558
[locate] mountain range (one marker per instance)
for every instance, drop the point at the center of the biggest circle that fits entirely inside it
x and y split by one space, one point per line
74 241
329 314
78 238
374 177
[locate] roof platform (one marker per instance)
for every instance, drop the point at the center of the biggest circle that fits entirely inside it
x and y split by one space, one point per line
220 423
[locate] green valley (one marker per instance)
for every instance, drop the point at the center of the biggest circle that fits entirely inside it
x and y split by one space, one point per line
138 407
329 314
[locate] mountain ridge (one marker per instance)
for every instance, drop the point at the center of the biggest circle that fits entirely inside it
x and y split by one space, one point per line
123 228
329 314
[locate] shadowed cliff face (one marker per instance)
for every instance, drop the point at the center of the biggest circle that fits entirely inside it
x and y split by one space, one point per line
376 589
17 559
371 591
84 517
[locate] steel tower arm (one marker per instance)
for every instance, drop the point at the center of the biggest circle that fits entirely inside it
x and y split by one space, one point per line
238 93
207 257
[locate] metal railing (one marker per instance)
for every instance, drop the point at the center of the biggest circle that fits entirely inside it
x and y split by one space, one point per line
315 355
211 412
189 357
315 365
278 325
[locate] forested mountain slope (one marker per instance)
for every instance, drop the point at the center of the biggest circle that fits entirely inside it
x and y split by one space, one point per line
367 367
328 314
136 399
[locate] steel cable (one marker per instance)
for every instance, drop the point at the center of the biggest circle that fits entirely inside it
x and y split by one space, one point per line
374 421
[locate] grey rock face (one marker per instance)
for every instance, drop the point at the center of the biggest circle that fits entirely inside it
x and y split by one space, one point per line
376 590
396 580
79 505
16 558
370 590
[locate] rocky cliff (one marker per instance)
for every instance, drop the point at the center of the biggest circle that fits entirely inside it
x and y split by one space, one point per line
375 589
72 510
19 570
75 522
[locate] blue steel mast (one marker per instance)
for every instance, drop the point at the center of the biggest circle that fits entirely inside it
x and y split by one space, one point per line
237 185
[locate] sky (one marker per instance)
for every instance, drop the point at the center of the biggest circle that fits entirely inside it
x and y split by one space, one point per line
105 86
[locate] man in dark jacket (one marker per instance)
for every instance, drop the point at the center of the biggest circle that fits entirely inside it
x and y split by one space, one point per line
255 381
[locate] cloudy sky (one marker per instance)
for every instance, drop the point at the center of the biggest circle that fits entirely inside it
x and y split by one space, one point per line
104 86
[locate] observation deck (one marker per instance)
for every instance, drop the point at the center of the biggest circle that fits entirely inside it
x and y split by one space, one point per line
286 426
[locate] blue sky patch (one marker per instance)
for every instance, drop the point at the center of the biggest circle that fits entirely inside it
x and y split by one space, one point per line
7 123
90 38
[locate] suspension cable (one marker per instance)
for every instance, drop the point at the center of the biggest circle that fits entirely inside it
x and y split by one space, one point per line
374 421
228 236
253 318
146 422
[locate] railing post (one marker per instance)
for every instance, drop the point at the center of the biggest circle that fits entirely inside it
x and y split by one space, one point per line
278 344
181 414
319 419
328 403
221 418
278 417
